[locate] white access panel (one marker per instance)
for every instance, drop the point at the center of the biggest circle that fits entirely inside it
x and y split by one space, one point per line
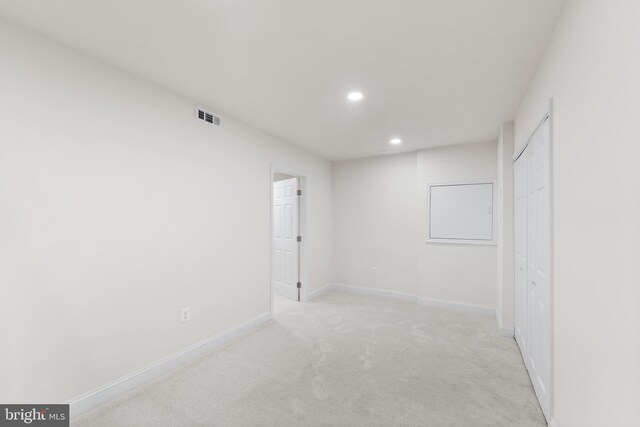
461 213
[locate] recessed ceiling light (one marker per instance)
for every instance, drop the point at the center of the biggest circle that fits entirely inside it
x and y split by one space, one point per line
395 141
355 96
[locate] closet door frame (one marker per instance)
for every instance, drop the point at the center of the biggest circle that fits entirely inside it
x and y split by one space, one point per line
547 116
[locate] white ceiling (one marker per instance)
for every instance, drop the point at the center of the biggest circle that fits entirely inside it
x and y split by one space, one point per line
434 72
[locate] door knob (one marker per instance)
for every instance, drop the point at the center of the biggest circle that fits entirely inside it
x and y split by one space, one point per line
533 283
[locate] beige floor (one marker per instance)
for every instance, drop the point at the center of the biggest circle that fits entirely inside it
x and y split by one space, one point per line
347 360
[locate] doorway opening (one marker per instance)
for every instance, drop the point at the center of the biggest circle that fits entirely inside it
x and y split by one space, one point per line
288 236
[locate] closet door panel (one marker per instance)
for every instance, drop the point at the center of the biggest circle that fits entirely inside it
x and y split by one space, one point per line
520 258
538 262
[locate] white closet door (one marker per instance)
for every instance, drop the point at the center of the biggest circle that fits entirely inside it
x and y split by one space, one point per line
520 245
284 270
539 263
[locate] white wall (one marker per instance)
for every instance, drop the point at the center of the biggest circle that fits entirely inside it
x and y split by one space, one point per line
116 211
455 272
374 220
591 68
380 220
277 176
505 248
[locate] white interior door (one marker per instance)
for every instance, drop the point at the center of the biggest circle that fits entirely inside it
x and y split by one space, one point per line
539 263
285 261
520 245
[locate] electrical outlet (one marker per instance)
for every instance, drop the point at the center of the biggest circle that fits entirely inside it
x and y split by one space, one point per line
185 314
374 271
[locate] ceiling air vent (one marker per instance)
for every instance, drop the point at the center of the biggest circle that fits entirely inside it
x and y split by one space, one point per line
208 117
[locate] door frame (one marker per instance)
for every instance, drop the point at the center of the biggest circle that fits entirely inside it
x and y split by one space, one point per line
548 115
302 218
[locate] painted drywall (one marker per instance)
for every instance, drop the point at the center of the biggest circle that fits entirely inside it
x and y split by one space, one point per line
591 70
277 176
117 211
380 220
375 223
505 248
455 272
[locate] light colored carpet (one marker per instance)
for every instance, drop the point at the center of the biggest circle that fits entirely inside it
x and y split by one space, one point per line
347 360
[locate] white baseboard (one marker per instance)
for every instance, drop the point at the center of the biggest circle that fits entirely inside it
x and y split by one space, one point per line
374 292
110 391
473 308
318 292
505 331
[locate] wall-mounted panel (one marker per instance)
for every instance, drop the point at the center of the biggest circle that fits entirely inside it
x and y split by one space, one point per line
461 213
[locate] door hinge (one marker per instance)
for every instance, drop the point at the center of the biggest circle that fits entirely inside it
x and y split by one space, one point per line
299 285
299 238
299 192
